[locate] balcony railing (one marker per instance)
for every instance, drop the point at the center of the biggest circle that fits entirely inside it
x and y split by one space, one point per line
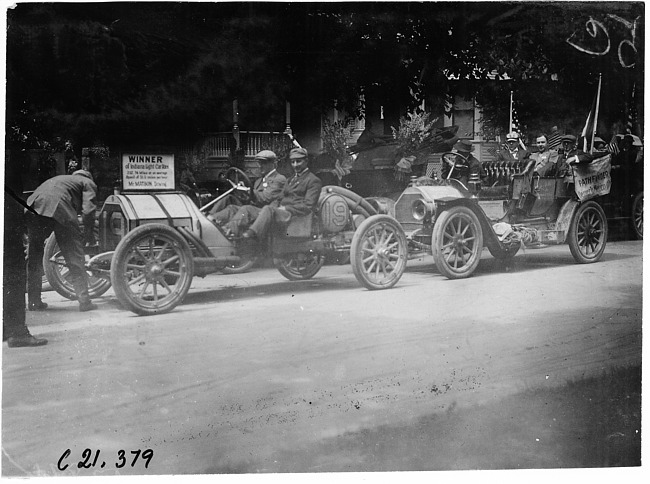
220 145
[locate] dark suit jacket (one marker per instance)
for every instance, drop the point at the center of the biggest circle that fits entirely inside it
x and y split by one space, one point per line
268 188
63 197
505 155
301 193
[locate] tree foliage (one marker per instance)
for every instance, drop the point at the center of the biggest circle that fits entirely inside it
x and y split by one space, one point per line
146 72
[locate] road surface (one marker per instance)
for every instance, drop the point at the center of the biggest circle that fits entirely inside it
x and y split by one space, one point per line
254 373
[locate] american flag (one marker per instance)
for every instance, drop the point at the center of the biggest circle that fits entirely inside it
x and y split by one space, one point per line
515 126
555 139
612 147
631 113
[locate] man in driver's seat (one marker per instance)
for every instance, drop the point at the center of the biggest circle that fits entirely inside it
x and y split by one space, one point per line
266 189
300 197
464 167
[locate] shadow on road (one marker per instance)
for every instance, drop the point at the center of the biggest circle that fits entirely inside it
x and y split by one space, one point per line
524 261
256 291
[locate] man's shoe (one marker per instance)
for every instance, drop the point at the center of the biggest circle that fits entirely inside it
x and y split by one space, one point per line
89 306
249 234
37 306
27 340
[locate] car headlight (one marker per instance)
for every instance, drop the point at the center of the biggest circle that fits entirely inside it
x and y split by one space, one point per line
423 209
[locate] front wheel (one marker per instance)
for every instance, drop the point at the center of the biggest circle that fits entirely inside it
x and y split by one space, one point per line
637 216
298 267
457 242
152 269
379 252
588 233
57 273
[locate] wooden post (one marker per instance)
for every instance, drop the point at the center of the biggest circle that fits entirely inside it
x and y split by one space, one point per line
85 159
288 117
235 120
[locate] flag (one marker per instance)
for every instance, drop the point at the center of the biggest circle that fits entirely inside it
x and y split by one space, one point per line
589 127
631 113
555 139
589 131
612 147
514 121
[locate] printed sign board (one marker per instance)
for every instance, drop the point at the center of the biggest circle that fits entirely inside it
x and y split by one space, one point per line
148 172
594 179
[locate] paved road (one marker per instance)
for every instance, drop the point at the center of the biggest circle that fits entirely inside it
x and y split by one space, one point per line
253 368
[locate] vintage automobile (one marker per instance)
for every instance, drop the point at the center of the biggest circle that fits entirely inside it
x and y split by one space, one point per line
151 244
454 221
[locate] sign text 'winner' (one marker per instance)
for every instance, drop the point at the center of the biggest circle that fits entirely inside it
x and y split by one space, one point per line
147 172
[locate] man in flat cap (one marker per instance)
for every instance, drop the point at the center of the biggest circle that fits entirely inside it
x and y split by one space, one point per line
569 154
300 197
266 189
55 205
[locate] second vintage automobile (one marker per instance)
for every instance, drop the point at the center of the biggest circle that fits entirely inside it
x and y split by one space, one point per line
454 221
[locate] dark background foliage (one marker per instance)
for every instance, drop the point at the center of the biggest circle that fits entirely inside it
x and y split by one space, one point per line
152 72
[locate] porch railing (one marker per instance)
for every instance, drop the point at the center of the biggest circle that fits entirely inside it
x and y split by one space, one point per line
220 145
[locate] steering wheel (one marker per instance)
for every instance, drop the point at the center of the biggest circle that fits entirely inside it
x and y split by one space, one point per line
457 164
234 175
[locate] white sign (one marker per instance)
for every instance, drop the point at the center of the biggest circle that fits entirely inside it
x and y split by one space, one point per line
148 172
593 179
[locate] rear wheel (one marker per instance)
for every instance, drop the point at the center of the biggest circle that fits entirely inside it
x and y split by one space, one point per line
298 267
57 273
152 269
588 233
379 252
457 242
637 216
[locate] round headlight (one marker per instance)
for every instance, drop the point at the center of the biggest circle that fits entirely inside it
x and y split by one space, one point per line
421 209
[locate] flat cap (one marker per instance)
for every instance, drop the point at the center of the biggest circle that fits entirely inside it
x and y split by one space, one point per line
297 153
568 137
266 155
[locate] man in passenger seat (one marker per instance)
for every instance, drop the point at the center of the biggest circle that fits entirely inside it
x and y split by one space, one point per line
569 155
545 158
300 197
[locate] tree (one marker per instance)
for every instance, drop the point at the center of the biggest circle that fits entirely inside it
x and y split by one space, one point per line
146 72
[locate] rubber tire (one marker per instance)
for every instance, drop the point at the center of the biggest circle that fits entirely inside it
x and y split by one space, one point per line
181 248
441 233
58 280
637 216
365 258
588 217
286 267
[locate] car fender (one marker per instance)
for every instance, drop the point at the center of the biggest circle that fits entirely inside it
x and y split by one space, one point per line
566 214
490 239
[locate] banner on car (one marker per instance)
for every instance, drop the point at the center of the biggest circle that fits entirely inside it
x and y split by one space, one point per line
593 179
